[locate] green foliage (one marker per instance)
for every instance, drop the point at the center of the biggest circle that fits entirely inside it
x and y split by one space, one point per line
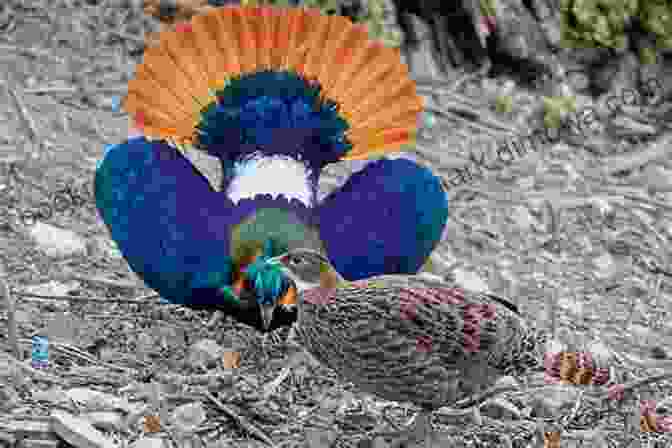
647 55
488 8
378 29
596 23
656 17
556 108
504 104
602 23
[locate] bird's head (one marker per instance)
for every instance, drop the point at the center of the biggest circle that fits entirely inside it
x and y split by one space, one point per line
271 288
307 269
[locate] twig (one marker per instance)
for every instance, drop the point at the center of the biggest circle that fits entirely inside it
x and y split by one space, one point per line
483 396
140 300
568 418
74 351
483 115
444 86
240 420
128 36
105 281
72 89
11 319
68 350
455 112
25 115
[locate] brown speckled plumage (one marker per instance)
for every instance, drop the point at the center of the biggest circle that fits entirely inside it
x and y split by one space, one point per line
406 338
409 338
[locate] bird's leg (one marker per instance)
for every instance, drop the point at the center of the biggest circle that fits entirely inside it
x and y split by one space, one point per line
272 386
295 358
476 409
264 346
417 435
423 428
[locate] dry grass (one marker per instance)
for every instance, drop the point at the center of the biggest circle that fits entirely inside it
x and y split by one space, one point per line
570 242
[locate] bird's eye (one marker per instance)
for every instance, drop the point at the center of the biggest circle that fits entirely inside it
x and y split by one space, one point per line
294 261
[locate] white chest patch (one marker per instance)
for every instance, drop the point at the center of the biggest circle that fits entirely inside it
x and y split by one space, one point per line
276 175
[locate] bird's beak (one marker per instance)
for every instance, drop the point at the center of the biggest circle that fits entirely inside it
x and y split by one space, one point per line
266 315
275 260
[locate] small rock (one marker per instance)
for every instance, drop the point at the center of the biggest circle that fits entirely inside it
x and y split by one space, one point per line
554 400
78 432
148 442
107 421
643 335
500 409
523 218
470 280
205 352
56 242
431 277
188 417
604 265
53 395
99 401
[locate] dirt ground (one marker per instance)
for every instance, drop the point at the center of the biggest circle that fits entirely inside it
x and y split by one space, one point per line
575 249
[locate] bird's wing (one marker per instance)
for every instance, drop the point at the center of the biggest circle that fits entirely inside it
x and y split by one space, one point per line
461 325
169 224
386 219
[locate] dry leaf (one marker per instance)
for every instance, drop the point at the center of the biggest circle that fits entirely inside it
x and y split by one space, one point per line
552 439
231 360
152 423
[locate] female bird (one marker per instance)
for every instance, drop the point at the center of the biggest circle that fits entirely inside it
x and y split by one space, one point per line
407 338
275 94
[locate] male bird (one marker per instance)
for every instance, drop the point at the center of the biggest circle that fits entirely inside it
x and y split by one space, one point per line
275 94
407 338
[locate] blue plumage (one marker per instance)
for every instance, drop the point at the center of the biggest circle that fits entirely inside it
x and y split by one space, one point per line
159 212
277 112
274 126
386 218
174 229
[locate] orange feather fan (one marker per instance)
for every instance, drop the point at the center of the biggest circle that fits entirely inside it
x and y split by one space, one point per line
178 77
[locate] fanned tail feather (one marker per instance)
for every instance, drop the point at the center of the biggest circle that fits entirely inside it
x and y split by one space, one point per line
351 83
